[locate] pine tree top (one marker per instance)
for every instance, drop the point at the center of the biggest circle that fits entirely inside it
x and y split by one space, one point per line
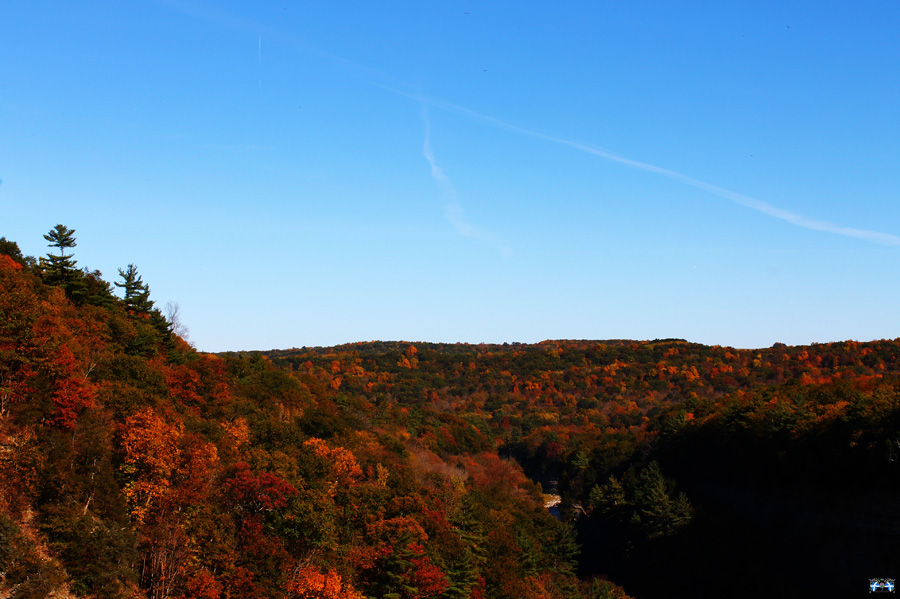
61 237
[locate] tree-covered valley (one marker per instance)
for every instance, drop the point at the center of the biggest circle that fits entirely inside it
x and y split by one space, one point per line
133 465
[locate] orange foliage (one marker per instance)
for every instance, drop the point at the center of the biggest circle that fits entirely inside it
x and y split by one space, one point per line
308 582
7 263
56 334
238 431
345 470
197 471
183 383
363 558
151 453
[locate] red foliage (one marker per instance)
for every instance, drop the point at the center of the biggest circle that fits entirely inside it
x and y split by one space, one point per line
478 590
488 470
71 392
242 585
183 383
427 577
70 397
258 492
203 585
554 450
199 382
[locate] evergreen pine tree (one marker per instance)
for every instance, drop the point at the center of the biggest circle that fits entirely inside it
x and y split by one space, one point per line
97 292
393 571
610 498
462 573
681 511
658 513
564 552
463 570
61 270
164 328
138 304
530 557
137 293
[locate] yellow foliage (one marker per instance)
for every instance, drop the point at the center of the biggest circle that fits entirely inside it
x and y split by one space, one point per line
238 430
151 448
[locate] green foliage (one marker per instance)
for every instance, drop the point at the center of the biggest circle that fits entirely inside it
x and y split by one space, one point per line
137 293
636 513
563 551
609 498
98 555
60 269
392 579
23 573
658 513
11 249
95 291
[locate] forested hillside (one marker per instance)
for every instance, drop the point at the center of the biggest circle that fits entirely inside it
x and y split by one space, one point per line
685 468
132 465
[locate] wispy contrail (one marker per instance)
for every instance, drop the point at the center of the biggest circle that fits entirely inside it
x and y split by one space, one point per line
744 200
208 13
452 210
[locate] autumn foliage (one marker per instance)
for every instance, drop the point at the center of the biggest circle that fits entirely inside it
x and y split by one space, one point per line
261 492
308 582
132 465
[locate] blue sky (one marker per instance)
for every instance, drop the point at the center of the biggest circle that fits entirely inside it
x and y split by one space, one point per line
313 173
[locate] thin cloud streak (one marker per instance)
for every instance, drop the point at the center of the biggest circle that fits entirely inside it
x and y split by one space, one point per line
213 15
452 210
739 198
210 14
